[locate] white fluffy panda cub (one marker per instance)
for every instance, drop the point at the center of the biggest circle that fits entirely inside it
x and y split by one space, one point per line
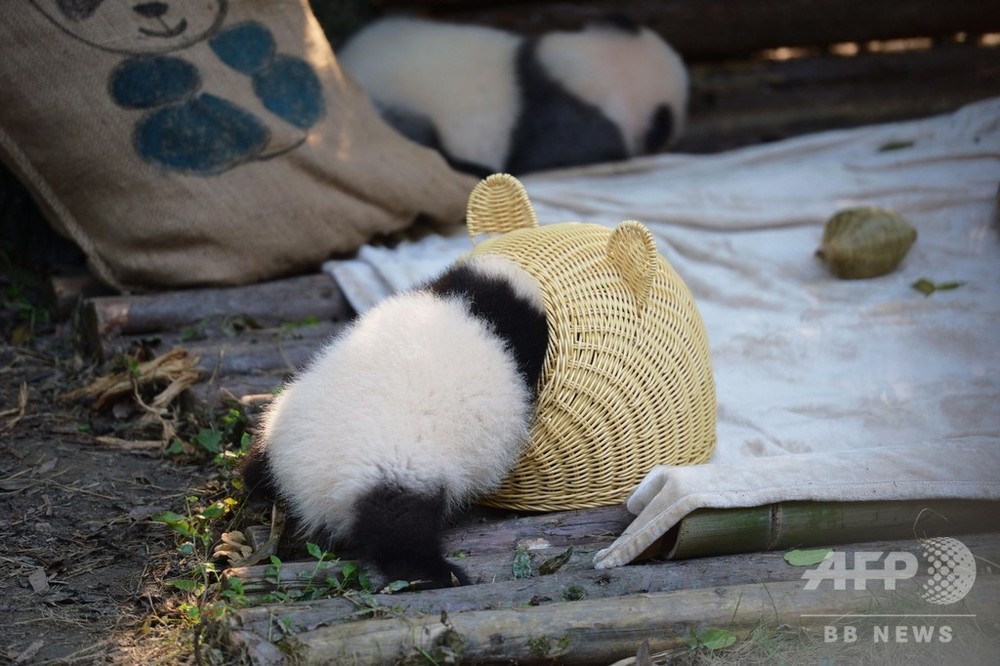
492 101
421 405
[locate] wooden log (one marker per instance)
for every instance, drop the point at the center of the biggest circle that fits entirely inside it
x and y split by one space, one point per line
733 28
263 653
487 531
267 304
68 289
249 368
483 569
269 351
482 545
577 580
244 367
250 390
597 631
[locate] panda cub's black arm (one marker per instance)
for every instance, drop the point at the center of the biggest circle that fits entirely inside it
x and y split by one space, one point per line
516 321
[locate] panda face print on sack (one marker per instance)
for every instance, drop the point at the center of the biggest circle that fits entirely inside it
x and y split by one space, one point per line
151 27
180 125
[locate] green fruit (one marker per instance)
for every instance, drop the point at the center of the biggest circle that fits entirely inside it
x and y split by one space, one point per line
865 242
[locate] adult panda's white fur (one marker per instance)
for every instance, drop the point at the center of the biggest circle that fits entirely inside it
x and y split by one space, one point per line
492 101
423 404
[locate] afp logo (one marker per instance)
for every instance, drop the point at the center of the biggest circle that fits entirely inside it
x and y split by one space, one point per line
951 567
948 563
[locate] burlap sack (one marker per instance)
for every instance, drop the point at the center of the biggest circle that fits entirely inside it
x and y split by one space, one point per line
188 142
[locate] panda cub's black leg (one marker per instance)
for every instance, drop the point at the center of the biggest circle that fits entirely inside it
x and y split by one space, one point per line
256 473
401 531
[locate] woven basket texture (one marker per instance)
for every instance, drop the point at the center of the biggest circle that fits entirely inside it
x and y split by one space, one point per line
627 382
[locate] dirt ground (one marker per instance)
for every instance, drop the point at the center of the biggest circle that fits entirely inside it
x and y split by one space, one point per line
81 565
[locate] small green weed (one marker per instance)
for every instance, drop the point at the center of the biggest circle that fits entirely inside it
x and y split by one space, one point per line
711 639
28 317
329 577
289 326
226 440
543 646
207 596
195 528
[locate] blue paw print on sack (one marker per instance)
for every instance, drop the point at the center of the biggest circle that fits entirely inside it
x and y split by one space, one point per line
197 132
286 85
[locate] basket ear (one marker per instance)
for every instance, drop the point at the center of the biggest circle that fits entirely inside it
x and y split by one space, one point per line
499 204
632 251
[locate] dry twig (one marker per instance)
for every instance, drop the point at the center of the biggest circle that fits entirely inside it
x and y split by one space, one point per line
16 412
177 369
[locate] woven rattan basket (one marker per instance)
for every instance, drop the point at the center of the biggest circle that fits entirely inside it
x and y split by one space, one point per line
627 382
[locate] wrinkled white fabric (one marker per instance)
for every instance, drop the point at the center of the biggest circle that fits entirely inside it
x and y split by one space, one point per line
805 364
946 470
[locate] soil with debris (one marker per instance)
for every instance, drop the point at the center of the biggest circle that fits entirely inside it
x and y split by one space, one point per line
82 564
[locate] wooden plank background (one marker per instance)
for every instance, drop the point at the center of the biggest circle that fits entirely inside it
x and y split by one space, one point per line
718 29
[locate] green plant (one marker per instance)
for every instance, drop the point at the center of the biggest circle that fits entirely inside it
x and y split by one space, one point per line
195 528
542 646
207 596
195 332
28 317
224 437
539 645
711 639
289 326
928 287
329 577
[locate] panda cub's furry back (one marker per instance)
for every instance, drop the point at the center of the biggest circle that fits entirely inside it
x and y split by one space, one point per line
420 406
492 101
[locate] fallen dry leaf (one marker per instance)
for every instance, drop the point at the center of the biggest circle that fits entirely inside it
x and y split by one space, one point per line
39 581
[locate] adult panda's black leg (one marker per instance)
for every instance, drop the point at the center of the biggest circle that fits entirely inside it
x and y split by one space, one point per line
401 530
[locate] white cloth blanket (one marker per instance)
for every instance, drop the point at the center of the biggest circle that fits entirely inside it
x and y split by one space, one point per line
806 365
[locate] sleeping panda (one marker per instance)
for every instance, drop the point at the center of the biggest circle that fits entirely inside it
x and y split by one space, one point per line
493 101
421 405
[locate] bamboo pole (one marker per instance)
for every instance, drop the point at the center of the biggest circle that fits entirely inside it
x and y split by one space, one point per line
802 524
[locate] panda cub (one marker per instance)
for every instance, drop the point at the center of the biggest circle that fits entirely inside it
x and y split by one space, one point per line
493 101
420 406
